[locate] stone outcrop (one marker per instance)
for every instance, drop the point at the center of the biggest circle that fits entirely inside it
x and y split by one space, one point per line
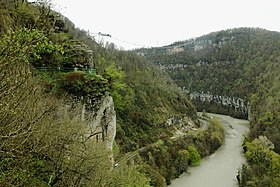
102 123
181 125
235 102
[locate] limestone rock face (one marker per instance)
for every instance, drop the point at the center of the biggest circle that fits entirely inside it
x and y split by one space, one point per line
181 125
103 122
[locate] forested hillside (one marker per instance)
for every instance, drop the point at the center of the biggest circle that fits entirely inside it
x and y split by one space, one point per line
50 72
44 141
234 72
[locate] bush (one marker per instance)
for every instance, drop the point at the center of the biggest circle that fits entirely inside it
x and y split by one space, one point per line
85 85
194 156
264 164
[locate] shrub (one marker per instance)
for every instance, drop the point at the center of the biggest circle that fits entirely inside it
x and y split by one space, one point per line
194 156
84 85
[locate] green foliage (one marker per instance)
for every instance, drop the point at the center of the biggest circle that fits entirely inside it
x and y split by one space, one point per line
6 21
118 88
28 42
76 54
130 176
156 178
212 139
194 156
81 84
183 160
33 173
264 164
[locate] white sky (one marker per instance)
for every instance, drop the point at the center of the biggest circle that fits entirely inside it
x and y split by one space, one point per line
160 22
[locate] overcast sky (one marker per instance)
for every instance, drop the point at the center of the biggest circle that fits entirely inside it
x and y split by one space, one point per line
137 23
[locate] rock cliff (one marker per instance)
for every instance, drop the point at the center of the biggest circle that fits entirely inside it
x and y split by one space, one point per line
102 123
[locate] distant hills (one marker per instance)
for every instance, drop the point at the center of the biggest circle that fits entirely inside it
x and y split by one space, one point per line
225 63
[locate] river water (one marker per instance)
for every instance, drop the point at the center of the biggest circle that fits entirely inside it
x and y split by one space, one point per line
219 169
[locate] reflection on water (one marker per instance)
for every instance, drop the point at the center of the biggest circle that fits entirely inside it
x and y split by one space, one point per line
219 169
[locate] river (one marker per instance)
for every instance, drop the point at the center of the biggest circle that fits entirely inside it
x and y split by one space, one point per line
219 169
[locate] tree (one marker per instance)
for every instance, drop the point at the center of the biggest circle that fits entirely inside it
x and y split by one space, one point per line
264 168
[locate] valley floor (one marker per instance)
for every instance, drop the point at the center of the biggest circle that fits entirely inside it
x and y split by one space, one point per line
219 169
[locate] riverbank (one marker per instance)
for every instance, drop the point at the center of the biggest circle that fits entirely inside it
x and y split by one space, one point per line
220 168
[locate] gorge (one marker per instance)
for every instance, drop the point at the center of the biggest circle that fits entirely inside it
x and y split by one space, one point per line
233 72
71 106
